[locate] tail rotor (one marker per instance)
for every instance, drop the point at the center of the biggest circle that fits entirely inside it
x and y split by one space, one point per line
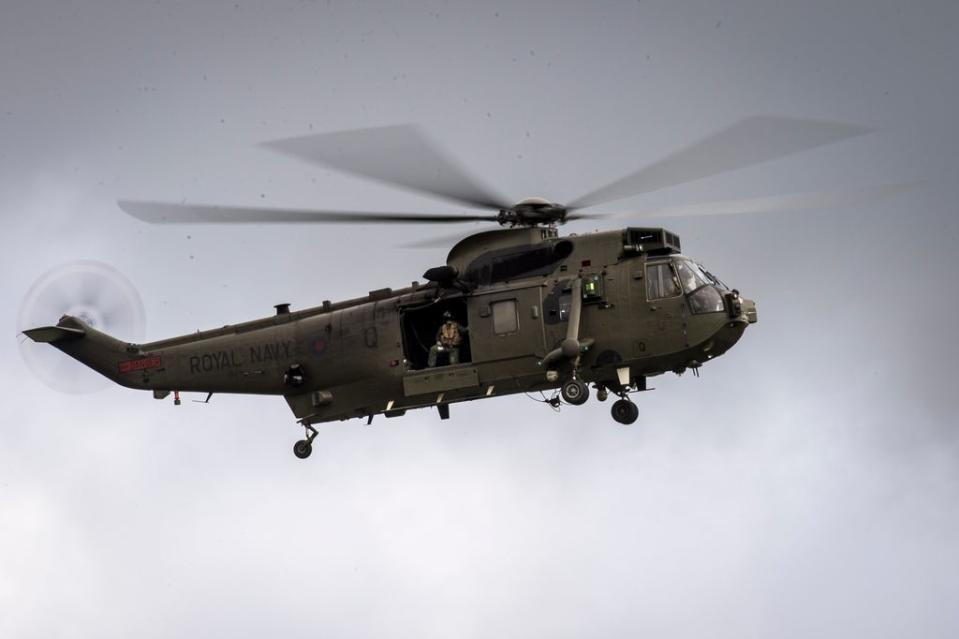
95 293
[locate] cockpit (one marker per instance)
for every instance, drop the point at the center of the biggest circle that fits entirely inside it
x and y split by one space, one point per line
679 275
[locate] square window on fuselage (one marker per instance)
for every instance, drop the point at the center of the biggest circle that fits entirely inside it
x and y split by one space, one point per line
505 317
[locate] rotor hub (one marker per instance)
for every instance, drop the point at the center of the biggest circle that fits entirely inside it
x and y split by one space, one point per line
533 211
86 314
534 202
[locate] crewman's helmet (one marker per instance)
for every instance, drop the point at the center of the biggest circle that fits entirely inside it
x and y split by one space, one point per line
447 315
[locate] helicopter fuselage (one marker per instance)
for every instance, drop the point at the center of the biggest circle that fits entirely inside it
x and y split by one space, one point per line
640 309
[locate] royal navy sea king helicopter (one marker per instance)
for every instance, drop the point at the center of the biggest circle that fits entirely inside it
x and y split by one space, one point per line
518 309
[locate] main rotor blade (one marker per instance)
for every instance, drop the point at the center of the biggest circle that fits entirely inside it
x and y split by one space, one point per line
400 155
749 142
167 213
571 217
448 241
782 203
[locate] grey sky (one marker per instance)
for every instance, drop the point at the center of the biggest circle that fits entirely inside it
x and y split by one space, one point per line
806 485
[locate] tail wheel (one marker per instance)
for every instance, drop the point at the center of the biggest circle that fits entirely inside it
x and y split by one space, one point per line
302 448
574 392
625 411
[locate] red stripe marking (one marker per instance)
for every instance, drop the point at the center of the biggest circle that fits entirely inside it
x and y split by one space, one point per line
131 365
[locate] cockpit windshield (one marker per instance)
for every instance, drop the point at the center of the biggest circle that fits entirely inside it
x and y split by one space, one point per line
702 288
689 275
712 278
693 275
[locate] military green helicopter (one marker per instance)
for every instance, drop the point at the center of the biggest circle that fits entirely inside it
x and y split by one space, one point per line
526 309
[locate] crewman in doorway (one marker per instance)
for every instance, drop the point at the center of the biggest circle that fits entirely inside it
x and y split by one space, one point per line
448 340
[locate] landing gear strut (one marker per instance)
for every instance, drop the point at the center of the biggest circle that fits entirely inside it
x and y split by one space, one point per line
573 390
624 411
304 447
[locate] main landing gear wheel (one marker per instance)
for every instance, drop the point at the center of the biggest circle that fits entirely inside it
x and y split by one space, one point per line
303 448
574 392
625 411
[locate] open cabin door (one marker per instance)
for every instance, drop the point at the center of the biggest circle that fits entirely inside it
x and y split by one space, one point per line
503 326
419 328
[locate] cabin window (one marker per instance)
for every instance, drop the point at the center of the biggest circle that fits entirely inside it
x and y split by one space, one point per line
505 317
661 282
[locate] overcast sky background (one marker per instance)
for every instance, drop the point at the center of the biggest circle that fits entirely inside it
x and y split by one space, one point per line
806 485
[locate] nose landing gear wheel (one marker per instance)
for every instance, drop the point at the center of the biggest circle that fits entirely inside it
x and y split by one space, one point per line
625 411
574 392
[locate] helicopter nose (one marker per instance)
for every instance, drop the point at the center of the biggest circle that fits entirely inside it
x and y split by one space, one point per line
749 310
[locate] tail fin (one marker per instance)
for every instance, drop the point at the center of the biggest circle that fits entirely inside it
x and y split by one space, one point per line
49 334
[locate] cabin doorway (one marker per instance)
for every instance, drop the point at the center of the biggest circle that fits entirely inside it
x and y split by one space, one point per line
421 325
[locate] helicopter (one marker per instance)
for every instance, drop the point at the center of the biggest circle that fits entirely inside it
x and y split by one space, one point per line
525 309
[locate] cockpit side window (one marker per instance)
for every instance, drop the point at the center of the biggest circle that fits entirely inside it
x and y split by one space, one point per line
661 281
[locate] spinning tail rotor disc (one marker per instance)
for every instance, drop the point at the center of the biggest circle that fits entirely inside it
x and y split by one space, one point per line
94 292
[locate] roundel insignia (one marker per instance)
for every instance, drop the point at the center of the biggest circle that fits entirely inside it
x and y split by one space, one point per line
319 346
